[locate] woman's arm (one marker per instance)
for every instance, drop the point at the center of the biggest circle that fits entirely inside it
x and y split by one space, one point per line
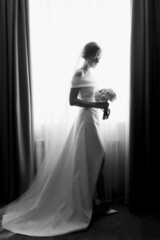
74 101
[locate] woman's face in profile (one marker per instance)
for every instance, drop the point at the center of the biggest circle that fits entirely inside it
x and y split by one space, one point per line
93 60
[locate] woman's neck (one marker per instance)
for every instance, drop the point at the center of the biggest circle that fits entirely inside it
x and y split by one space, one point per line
86 67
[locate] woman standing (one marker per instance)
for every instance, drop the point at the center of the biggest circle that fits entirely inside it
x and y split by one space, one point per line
82 95
62 200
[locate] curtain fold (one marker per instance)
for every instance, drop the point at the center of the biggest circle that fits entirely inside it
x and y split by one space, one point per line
16 133
144 106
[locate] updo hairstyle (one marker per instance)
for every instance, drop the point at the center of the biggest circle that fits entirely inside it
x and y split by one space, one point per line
90 49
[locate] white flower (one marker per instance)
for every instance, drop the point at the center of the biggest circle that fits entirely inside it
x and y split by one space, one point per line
104 95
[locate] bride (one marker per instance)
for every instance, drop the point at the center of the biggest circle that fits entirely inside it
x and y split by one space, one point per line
61 201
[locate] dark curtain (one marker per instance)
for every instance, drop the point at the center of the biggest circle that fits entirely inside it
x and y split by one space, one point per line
16 140
145 106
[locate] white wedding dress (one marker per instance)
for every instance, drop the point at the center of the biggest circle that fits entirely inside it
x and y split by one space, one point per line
62 203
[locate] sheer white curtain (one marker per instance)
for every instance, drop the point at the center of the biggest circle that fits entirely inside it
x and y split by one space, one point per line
59 29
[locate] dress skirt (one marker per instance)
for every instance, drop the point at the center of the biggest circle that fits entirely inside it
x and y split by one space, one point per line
64 202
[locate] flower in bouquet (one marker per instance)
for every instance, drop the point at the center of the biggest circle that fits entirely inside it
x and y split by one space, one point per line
105 95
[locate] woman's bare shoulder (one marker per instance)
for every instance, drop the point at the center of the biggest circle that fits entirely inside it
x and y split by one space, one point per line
78 73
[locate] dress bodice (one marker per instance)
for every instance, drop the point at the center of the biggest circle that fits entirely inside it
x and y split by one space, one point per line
87 93
86 86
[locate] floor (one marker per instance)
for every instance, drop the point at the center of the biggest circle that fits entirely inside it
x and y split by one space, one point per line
121 226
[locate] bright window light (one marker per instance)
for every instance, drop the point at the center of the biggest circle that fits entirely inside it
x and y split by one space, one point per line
58 30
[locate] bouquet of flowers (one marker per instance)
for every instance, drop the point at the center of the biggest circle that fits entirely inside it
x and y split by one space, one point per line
105 95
